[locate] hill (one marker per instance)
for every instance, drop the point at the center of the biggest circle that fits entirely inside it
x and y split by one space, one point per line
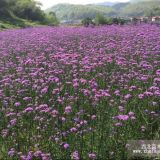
140 8
23 13
120 6
106 3
137 1
78 12
74 12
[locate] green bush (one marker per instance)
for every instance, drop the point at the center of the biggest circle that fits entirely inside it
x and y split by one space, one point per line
87 21
118 21
100 19
51 19
23 13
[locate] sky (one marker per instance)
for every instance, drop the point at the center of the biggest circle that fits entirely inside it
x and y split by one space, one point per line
49 3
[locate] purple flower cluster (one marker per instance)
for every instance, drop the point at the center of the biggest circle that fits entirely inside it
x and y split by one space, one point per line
74 93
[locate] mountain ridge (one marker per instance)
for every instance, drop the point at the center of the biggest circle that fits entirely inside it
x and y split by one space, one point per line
65 11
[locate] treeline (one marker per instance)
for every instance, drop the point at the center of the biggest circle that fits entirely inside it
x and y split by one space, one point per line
26 9
67 12
144 8
75 12
102 20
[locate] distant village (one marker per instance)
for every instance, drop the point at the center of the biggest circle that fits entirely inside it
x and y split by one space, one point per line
139 20
127 20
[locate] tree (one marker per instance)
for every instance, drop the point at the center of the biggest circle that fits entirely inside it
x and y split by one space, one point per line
72 15
100 19
6 7
155 12
118 21
15 11
51 19
29 9
87 21
115 21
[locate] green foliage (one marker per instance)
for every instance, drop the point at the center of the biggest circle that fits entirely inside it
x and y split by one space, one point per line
78 12
118 21
100 19
29 9
18 12
15 22
120 6
87 21
51 19
5 25
137 1
139 9
154 12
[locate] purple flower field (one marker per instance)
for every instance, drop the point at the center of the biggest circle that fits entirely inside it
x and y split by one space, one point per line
78 93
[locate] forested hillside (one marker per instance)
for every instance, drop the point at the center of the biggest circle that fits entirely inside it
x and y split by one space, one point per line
21 13
137 1
145 8
132 8
71 11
